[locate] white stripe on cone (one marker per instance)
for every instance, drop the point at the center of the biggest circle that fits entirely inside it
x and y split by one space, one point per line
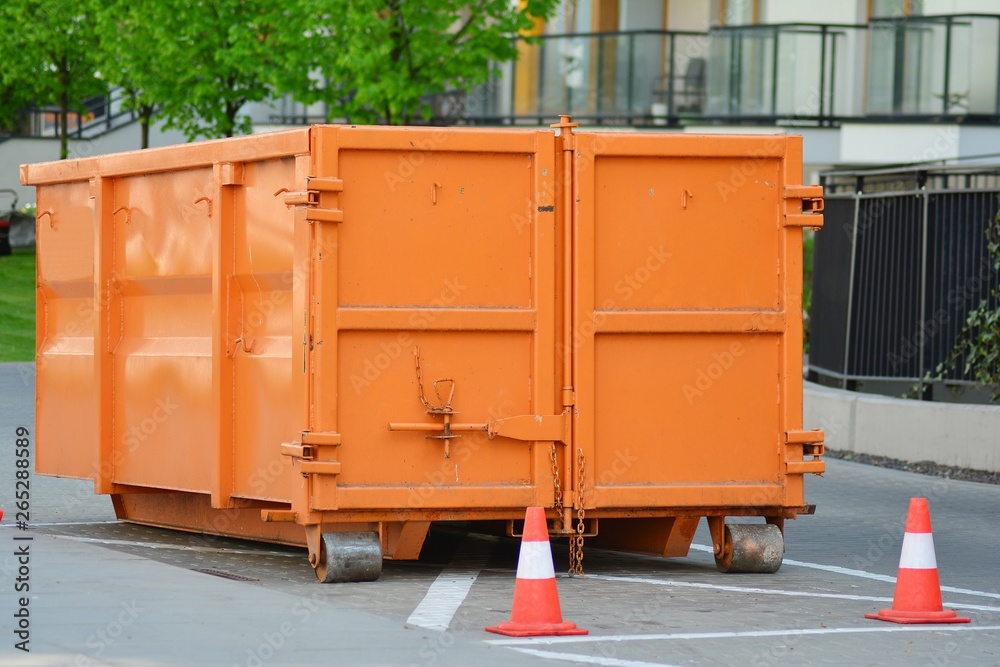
535 561
918 552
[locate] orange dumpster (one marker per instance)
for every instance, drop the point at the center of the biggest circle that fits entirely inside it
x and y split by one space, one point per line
334 336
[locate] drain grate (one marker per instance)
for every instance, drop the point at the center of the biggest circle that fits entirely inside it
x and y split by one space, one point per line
227 575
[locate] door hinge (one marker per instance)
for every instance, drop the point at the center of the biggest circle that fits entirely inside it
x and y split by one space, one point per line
310 198
804 206
812 445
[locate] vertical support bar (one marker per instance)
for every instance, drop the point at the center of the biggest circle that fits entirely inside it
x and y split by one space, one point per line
833 78
541 79
600 76
631 73
566 145
790 340
324 293
545 383
106 327
301 305
923 285
225 322
302 362
996 96
822 71
946 96
584 336
671 105
774 75
850 286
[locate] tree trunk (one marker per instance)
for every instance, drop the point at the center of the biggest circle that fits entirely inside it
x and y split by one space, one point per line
145 119
64 123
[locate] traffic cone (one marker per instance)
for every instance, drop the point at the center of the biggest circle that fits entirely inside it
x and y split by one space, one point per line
918 591
536 611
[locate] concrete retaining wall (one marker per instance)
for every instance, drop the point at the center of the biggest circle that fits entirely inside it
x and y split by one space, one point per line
958 435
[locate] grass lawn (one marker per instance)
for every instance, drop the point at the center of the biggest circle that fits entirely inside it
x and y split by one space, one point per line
17 306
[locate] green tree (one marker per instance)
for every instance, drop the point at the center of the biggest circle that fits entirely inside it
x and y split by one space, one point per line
214 57
49 54
13 100
131 36
377 60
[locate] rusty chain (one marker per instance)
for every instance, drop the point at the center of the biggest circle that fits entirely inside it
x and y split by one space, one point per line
556 482
420 380
576 541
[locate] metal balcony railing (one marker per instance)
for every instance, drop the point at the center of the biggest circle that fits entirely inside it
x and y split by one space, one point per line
100 114
806 73
644 77
935 68
902 259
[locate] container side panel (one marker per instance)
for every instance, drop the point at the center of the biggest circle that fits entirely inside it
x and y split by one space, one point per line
66 406
680 316
265 408
163 366
441 249
694 409
676 233
424 224
378 385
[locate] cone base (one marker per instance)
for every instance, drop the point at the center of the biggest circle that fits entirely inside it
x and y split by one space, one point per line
512 629
913 617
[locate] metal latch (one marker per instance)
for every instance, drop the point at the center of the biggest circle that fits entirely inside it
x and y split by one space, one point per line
521 427
812 445
310 198
808 211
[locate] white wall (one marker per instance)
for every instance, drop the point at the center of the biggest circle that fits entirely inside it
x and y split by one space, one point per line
935 7
640 15
893 143
967 436
693 15
812 11
15 152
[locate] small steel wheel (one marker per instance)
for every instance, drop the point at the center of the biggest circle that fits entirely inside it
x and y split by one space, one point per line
346 557
756 548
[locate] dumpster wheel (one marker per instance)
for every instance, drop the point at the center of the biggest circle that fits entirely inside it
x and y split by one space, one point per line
754 548
349 556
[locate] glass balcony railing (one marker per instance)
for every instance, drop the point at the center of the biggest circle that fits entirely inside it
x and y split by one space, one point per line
800 72
934 66
636 78
917 68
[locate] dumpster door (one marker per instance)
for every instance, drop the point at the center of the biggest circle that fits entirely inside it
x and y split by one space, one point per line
687 292
431 299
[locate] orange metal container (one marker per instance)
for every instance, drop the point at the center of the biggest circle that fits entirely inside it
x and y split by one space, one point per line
366 329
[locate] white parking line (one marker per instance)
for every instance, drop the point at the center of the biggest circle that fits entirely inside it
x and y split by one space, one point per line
863 575
447 593
791 632
766 591
589 659
174 547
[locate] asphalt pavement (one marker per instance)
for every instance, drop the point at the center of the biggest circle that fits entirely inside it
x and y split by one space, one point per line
100 592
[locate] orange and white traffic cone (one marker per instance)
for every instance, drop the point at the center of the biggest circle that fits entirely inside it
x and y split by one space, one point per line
918 591
536 611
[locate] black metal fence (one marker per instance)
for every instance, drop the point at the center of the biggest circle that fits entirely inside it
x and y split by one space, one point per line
901 261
